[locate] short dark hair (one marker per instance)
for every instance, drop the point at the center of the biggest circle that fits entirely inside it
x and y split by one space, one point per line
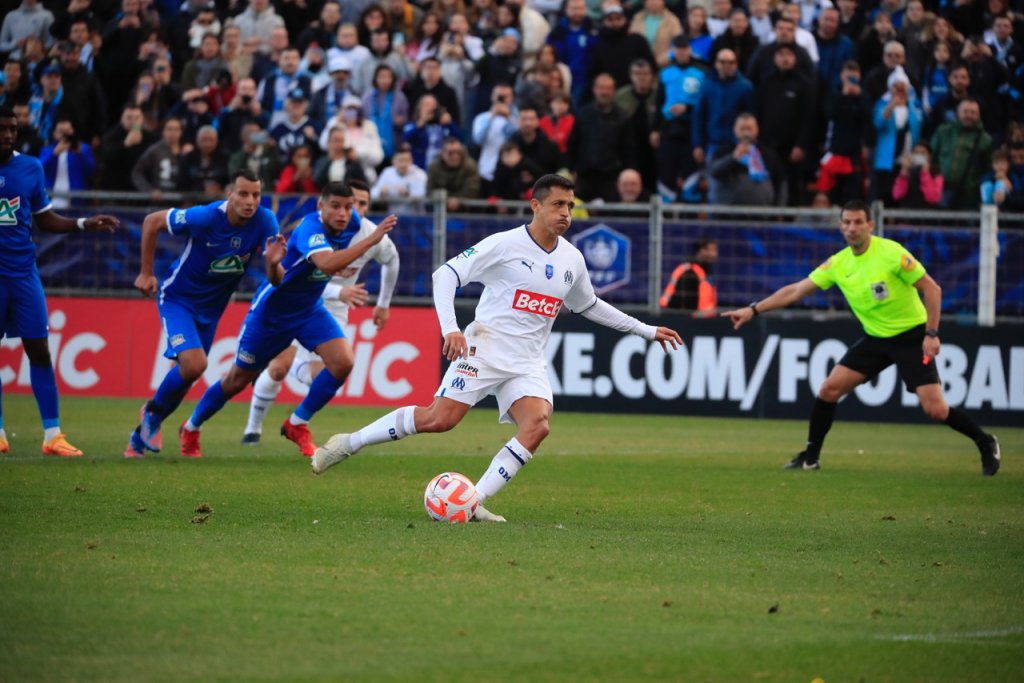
856 205
357 184
6 112
403 148
336 188
542 188
703 242
246 174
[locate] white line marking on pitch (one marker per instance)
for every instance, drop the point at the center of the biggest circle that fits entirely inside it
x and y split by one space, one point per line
952 637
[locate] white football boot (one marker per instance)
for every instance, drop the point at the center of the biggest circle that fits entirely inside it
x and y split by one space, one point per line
484 515
337 448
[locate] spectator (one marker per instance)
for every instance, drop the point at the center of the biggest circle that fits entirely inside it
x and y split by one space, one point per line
347 45
834 49
240 59
761 21
514 174
718 21
448 8
801 35
681 84
957 90
1004 48
697 31
263 64
404 16
617 48
658 26
872 47
690 287
429 128
533 28
29 20
297 176
455 173
747 174
460 51
243 108
323 31
738 37
426 40
944 32
1015 202
18 87
935 80
988 85
163 96
258 154
202 69
490 131
205 168
876 82
27 140
48 103
786 109
840 174
68 163
361 136
599 145
962 148
381 52
403 180
763 61
483 19
534 145
82 88
639 101
194 115
125 44
429 82
501 64
386 106
275 88
919 183
558 124
122 147
340 163
296 128
914 34
257 21
573 39
629 187
538 85
156 171
327 101
897 121
204 23
725 95
852 22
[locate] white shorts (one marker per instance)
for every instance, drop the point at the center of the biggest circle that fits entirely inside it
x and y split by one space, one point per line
469 380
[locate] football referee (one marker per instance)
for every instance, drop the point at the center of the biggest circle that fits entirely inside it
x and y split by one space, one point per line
878 277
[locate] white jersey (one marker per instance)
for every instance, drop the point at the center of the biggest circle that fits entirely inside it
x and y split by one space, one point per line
525 287
383 252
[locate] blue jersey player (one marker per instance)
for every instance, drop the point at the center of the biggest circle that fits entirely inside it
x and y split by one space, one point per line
289 306
23 312
223 237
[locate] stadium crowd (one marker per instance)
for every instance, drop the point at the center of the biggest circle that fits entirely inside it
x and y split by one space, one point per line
916 103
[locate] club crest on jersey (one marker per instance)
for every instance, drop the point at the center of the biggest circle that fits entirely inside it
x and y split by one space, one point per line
568 277
236 242
538 304
179 217
9 210
549 271
458 383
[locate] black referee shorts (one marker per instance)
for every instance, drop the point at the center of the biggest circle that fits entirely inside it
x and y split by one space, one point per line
870 355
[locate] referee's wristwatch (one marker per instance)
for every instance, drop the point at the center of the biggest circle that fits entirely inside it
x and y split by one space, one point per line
753 307
931 332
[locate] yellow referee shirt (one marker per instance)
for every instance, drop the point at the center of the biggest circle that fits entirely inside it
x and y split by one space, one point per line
878 286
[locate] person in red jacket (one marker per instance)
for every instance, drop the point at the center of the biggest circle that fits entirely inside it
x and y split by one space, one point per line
297 176
559 123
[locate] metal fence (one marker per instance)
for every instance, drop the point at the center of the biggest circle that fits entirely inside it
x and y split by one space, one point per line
977 257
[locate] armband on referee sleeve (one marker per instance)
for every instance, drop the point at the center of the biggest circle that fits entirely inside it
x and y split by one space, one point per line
605 314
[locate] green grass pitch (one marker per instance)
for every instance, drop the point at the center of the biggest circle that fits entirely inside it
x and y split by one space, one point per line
638 548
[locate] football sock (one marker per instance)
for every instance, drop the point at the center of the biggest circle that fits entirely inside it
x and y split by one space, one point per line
962 422
324 387
44 387
51 433
264 393
822 416
3 434
170 393
396 425
509 460
212 401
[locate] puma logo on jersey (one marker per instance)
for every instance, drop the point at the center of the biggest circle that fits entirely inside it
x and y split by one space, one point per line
528 264
9 210
539 304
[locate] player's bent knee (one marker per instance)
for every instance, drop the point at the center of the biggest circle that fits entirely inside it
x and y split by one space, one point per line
938 411
192 370
277 370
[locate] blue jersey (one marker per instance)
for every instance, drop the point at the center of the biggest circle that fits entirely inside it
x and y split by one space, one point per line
215 258
303 282
22 193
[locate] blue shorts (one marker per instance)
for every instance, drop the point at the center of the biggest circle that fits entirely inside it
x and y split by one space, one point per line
23 307
184 330
264 335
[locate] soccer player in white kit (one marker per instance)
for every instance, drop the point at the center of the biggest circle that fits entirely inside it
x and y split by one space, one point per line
340 294
528 274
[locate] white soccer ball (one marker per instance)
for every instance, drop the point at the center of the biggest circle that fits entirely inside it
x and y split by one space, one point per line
451 497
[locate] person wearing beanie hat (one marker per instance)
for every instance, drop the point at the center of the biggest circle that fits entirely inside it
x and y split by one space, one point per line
897 119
